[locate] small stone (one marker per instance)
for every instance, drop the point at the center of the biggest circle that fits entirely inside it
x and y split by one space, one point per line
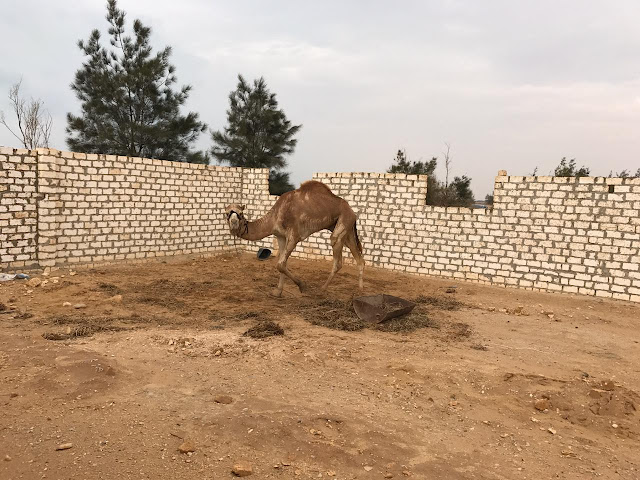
388 475
7 458
368 468
608 385
79 306
186 447
242 470
34 282
64 446
13 395
224 399
492 309
542 404
331 473
71 274
615 425
406 473
115 299
551 430
66 304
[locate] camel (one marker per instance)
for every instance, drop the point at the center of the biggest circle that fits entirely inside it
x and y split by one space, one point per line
295 216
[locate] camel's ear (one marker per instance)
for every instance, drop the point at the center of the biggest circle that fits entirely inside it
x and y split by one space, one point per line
242 207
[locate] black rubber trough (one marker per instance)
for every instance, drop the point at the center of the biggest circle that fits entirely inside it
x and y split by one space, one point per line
263 253
380 308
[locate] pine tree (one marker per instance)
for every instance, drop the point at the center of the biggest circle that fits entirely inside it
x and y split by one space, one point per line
401 164
463 196
128 102
569 169
625 174
455 194
258 134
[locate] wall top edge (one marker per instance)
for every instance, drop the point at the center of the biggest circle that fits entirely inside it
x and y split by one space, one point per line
52 152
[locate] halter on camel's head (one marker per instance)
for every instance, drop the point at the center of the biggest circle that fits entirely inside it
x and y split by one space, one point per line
238 224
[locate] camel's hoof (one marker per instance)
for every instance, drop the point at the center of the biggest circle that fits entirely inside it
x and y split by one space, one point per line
276 293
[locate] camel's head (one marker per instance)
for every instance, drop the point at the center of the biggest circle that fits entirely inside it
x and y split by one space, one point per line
236 219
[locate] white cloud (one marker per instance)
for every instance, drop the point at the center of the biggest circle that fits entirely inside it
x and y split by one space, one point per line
510 84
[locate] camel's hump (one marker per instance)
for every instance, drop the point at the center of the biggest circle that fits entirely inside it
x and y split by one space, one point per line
311 185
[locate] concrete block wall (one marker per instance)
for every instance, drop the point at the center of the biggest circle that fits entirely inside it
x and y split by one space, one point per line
258 201
18 208
545 233
89 209
577 235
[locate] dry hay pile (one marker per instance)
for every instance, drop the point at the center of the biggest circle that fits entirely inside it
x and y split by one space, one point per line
340 315
264 330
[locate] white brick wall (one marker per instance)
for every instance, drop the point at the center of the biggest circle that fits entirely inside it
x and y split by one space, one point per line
544 233
18 212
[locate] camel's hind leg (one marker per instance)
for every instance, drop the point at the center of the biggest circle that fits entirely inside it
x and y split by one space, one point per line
337 242
337 261
351 242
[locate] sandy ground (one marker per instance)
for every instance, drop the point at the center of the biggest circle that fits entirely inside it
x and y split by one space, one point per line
154 357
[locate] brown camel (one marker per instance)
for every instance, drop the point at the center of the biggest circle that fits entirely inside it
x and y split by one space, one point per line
295 216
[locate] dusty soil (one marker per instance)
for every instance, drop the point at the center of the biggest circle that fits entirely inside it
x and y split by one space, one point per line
478 382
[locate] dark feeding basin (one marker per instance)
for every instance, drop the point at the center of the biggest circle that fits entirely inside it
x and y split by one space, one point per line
263 253
380 308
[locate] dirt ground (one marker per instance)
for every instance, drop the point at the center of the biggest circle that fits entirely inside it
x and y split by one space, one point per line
129 363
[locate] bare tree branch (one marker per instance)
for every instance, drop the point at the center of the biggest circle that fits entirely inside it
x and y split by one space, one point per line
34 121
447 162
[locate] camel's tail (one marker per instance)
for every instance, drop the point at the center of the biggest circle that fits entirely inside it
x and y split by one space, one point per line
355 231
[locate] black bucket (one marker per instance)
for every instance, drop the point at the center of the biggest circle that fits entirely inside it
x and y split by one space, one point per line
263 253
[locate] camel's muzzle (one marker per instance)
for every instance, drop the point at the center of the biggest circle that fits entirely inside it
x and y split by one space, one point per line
239 215
235 220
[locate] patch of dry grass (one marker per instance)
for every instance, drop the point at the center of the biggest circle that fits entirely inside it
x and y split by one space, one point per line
441 303
264 330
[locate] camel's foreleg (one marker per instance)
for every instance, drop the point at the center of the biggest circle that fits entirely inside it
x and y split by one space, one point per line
286 247
282 243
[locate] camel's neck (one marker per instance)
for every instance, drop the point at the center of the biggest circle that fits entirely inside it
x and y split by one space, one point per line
260 228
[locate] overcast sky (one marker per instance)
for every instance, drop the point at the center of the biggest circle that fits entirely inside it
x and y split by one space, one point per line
509 84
